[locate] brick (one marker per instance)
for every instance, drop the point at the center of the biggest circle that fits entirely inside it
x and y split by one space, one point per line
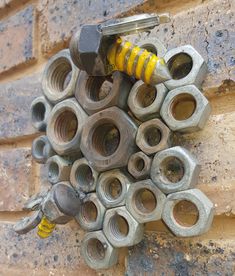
16 178
15 98
16 39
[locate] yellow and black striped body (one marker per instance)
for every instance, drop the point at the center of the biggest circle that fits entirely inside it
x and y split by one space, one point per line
45 228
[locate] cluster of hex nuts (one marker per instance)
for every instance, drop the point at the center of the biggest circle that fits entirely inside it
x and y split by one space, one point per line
110 139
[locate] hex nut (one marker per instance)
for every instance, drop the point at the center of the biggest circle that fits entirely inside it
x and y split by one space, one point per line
65 125
106 136
42 149
174 169
186 66
40 110
91 214
112 187
121 229
205 210
97 252
59 77
185 109
153 45
139 165
153 136
145 201
83 177
97 93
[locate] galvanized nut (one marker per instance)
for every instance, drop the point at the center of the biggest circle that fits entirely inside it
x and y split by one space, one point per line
40 110
42 149
106 136
97 93
83 177
139 165
205 213
91 213
65 125
186 66
58 169
153 45
97 252
185 109
121 229
145 101
112 187
153 136
145 201
174 169
59 77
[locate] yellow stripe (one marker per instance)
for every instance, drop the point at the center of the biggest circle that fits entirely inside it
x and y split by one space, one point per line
120 55
131 60
43 235
140 64
112 53
150 68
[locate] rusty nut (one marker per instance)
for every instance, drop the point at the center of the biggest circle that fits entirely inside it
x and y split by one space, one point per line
153 45
42 149
106 136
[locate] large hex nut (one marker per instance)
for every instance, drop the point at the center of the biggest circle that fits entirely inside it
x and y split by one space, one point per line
153 136
145 101
65 126
153 45
91 213
186 66
106 136
97 252
205 213
59 77
139 165
97 93
174 169
112 187
83 177
121 229
40 110
185 109
58 169
42 149
145 201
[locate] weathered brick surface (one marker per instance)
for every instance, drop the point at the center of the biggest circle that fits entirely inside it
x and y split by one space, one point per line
16 39
16 178
15 99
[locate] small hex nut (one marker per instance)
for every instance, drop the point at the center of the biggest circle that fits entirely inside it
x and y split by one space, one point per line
153 45
131 235
186 66
91 214
145 201
42 149
139 165
185 109
97 252
145 101
153 136
40 110
83 177
174 169
97 93
205 210
59 77
112 187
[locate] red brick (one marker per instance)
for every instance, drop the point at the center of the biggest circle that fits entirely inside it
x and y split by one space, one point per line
16 39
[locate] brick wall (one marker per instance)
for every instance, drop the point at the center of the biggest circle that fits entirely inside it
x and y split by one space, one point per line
31 32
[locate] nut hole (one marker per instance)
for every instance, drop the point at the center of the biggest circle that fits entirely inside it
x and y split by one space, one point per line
119 227
139 164
39 148
172 170
38 112
95 249
150 48
53 171
146 95
89 212
113 188
180 211
180 66
152 136
145 201
84 175
98 88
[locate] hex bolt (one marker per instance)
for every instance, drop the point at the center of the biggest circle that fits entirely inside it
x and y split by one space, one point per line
97 252
83 177
204 208
112 187
153 45
174 169
121 229
145 201
186 66
185 109
153 136
40 110
139 165
42 149
91 214
59 77
145 101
